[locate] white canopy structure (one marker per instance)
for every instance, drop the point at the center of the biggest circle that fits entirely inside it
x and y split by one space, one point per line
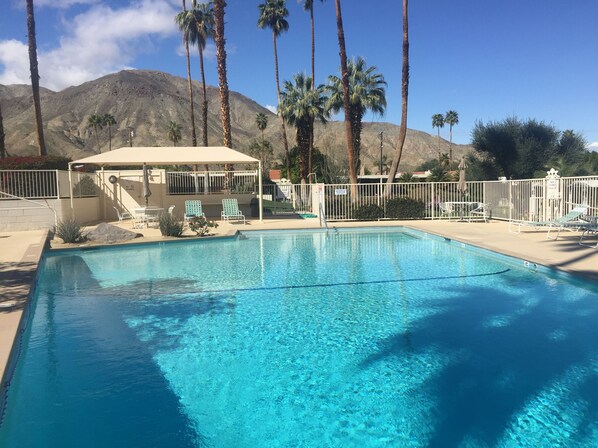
176 155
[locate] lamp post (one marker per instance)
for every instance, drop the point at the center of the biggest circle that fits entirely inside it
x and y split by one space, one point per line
381 148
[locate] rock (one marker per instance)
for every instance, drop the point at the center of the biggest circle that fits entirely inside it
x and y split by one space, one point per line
107 233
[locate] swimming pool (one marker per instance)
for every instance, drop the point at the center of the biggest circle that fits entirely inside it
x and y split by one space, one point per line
377 338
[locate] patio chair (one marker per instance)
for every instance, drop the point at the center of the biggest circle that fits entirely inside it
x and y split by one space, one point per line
481 211
570 221
193 209
122 216
230 211
446 210
171 209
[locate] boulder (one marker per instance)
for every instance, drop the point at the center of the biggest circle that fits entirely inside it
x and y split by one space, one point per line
107 233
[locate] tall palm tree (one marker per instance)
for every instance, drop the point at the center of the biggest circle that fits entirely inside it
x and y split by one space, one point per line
174 132
273 15
438 122
308 5
404 96
201 28
183 23
452 119
109 120
261 120
300 106
346 100
366 92
96 121
33 67
2 146
219 6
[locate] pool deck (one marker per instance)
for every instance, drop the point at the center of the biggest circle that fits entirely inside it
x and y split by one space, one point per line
20 253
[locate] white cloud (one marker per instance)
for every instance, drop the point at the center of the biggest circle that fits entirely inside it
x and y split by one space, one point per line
271 108
99 41
593 146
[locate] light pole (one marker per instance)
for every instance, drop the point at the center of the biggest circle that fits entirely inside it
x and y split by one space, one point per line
381 148
131 135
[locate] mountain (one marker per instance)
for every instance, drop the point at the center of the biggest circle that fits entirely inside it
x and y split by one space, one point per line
146 101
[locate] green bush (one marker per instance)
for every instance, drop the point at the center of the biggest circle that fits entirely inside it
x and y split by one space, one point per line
201 226
370 212
404 208
35 163
69 231
170 226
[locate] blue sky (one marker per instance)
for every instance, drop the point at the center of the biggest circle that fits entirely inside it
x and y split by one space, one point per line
487 60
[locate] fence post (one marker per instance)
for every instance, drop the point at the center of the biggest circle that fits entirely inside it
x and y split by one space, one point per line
57 184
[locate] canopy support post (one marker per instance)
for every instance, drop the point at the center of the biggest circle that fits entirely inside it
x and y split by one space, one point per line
71 190
259 190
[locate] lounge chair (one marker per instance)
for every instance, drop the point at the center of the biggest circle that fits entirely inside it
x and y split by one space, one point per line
122 216
193 209
570 221
446 210
589 229
230 211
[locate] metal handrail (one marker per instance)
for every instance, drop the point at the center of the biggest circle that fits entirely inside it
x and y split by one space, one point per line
33 202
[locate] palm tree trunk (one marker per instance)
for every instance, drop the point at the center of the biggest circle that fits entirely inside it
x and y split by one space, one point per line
204 109
356 127
2 146
439 146
33 66
222 81
191 111
346 103
451 148
284 128
95 130
313 86
109 138
404 95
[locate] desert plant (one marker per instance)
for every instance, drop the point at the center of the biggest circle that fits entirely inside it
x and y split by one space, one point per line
170 226
404 208
69 231
85 187
370 212
201 226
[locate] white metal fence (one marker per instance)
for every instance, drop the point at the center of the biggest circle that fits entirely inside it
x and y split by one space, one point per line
528 199
47 184
207 182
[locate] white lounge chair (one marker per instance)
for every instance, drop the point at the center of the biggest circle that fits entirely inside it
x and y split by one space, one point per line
230 211
446 210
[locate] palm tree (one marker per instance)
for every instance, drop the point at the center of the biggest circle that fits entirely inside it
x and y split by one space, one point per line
221 61
273 15
366 92
109 120
404 96
308 5
174 132
33 67
201 28
438 122
300 106
346 101
261 120
451 118
96 121
2 146
183 23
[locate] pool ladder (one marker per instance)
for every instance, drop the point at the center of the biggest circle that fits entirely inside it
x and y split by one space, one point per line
323 219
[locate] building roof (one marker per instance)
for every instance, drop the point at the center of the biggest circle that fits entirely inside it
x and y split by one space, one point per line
176 155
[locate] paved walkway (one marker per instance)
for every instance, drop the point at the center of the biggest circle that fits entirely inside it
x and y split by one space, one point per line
20 252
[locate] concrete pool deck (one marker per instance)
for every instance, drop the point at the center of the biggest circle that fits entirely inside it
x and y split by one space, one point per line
20 253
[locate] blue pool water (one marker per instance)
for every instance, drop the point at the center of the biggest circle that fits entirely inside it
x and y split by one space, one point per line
352 339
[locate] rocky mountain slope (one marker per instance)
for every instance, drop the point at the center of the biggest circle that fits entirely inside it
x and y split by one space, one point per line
144 102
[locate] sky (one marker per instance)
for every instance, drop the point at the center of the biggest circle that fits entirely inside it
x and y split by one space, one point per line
486 59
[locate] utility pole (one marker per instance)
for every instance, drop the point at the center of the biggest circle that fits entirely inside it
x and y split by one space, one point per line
131 134
381 148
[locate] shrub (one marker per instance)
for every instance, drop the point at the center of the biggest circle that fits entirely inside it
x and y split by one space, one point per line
404 208
170 226
370 212
201 226
35 163
85 187
69 231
